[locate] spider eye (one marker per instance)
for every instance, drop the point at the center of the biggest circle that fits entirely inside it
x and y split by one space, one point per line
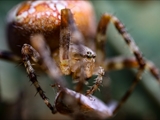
90 54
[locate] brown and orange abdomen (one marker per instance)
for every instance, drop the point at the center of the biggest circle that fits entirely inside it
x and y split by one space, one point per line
45 17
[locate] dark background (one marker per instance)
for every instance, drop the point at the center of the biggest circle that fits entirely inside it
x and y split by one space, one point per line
142 19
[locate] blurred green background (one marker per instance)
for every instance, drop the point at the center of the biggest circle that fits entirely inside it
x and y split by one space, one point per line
141 18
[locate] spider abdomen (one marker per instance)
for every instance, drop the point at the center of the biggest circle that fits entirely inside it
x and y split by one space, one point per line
44 17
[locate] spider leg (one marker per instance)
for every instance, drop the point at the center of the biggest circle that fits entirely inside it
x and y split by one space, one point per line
65 37
43 57
27 52
100 40
97 82
121 63
9 56
118 63
101 37
70 37
41 54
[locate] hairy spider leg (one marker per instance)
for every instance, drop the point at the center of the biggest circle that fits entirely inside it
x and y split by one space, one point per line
45 60
71 47
118 63
100 44
101 37
9 56
27 53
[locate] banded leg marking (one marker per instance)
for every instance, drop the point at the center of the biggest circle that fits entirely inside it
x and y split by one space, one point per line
118 63
27 52
100 40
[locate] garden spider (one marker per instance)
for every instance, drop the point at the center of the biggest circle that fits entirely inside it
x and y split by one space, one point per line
73 57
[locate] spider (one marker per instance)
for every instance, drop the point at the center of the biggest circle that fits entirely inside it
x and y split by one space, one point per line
61 40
